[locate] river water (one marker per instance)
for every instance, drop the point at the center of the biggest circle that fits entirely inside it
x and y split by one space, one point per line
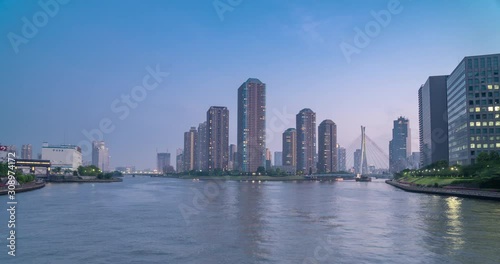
160 220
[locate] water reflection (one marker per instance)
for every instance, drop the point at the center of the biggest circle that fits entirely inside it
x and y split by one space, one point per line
454 217
251 223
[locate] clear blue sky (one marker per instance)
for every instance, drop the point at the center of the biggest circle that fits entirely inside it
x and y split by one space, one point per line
64 79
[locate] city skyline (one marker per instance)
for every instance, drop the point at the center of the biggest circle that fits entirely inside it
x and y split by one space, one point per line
307 70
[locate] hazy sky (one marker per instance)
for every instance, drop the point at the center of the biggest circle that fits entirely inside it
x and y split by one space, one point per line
65 78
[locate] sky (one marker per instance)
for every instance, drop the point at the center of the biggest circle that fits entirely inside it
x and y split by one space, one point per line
66 67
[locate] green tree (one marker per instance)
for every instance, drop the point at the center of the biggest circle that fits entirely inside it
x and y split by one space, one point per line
4 169
483 158
261 170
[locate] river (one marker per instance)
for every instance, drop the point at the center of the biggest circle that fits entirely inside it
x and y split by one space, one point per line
161 220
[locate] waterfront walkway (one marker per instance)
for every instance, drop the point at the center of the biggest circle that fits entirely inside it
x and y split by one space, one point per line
468 193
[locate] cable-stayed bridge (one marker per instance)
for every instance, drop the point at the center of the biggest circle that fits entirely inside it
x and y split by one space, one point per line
370 154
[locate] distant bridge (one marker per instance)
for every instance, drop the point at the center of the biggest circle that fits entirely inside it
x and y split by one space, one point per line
374 154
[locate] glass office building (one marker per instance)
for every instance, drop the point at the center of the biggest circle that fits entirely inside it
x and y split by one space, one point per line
473 99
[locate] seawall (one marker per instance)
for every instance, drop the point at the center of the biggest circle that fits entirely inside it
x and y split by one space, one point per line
468 193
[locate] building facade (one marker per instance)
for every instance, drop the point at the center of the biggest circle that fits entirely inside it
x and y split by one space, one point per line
66 157
289 150
27 152
100 155
473 101
218 137
357 161
251 125
400 145
278 158
163 162
179 161
306 141
202 147
232 164
190 155
327 147
433 121
341 154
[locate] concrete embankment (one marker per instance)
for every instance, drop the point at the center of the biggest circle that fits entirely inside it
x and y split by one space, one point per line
24 188
467 193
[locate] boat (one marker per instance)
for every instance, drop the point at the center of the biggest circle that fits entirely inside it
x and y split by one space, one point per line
339 179
361 178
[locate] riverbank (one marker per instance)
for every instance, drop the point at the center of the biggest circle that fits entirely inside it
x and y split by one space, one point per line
459 192
73 180
24 188
241 178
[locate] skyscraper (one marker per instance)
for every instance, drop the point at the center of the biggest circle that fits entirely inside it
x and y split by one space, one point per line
400 145
473 108
290 148
100 155
162 162
190 142
218 137
357 161
341 158
306 141
202 147
327 147
232 157
252 125
26 152
433 120
278 158
179 161
268 159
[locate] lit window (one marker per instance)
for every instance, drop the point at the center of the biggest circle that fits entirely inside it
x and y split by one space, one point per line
498 145
496 86
472 146
490 108
497 123
490 87
497 108
485 145
490 123
471 109
478 109
478 146
471 124
478 124
485 123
